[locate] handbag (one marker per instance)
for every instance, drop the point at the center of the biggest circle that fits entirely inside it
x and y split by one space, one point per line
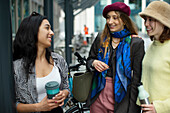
82 85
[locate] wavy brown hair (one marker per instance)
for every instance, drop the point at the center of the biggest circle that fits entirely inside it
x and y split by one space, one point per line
164 36
126 20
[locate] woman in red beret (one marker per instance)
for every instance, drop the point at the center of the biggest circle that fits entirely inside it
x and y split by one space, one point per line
116 56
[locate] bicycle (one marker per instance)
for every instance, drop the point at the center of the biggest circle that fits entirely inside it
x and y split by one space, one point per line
72 105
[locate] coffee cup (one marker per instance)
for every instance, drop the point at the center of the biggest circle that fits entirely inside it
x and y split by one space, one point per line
52 88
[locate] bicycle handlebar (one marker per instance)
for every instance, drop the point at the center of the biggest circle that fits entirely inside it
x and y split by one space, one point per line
81 60
75 66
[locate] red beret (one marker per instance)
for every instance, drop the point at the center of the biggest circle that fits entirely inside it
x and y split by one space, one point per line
117 6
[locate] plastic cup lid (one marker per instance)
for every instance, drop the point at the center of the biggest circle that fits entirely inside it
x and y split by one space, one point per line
51 85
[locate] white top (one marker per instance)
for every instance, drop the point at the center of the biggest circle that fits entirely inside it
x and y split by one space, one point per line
54 75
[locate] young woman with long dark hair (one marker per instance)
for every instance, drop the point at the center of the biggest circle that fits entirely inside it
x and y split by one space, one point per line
35 65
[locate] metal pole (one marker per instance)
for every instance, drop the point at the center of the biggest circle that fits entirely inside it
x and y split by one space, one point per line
48 11
68 29
143 7
7 92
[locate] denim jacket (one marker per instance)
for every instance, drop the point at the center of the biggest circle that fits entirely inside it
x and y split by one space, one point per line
26 91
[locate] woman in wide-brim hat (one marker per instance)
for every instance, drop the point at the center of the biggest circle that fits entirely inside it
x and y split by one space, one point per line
114 55
156 62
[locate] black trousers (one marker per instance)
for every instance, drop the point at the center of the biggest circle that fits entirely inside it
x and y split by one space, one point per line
55 110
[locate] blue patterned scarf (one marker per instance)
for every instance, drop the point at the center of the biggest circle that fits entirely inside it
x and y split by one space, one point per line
99 77
123 66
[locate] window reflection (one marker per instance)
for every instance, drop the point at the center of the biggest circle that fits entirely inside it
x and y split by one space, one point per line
19 12
26 8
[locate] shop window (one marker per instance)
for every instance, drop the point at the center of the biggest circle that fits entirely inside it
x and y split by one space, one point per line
26 8
113 1
39 9
168 1
13 17
19 12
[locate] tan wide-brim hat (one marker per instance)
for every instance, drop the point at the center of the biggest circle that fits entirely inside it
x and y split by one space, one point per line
158 10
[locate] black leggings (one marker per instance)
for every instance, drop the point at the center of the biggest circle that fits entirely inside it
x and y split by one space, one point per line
55 110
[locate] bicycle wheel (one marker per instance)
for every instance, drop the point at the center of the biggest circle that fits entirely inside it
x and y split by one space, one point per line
74 109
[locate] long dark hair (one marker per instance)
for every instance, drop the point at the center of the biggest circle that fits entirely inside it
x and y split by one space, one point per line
126 20
25 43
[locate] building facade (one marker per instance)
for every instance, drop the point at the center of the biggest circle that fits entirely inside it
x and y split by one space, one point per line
91 17
136 6
23 8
